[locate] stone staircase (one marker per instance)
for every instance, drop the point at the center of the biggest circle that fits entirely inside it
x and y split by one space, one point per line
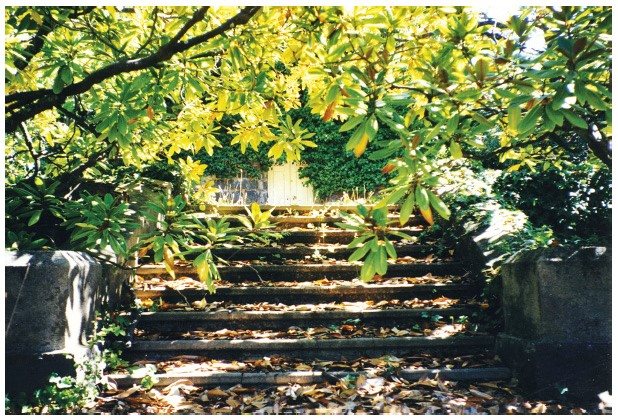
295 313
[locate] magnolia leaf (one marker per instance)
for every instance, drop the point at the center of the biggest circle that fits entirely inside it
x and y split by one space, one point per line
390 249
514 117
427 215
379 261
35 217
574 119
529 121
168 261
422 198
359 253
406 209
455 150
360 148
451 125
439 205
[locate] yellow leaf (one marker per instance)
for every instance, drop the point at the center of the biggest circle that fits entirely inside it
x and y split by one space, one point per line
427 215
168 261
359 149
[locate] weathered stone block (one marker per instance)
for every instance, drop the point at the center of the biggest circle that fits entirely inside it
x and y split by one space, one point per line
559 295
51 300
557 312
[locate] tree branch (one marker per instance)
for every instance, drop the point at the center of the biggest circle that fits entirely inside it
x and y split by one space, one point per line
34 155
43 100
197 16
38 40
79 121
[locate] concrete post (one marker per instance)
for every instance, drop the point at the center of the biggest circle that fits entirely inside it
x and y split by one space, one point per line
557 313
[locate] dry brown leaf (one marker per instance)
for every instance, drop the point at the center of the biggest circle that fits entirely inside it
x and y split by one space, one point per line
480 394
128 392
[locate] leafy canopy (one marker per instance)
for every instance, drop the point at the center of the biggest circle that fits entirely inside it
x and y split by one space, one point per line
86 84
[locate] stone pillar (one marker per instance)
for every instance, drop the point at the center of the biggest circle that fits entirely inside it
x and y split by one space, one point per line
557 313
51 299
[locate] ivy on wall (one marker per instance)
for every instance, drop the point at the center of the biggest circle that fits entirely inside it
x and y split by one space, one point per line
329 168
332 170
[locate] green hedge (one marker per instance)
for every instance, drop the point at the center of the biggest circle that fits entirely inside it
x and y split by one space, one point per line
329 168
332 170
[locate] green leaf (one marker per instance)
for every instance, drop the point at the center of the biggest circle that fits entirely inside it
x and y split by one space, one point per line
359 253
482 120
58 84
379 262
406 209
351 123
595 100
574 119
451 125
122 126
356 137
35 217
367 271
358 240
371 127
514 117
390 249
554 115
391 198
66 75
529 121
439 205
580 92
422 198
455 149
433 133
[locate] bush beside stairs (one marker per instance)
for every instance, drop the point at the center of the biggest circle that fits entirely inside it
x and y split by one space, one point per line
296 313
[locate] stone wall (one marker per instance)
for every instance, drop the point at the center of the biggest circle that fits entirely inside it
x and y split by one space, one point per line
557 321
241 190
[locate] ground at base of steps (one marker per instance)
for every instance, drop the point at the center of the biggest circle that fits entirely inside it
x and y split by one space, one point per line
359 395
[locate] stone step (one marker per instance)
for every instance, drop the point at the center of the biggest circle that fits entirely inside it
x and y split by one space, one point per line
333 235
310 293
179 320
304 272
309 348
215 378
336 251
283 220
291 209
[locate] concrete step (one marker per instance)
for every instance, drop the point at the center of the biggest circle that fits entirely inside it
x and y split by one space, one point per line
309 348
333 235
179 320
283 220
304 272
318 208
336 251
215 378
311 293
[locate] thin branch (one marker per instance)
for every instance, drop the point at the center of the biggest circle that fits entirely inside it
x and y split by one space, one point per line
79 121
197 16
28 142
45 101
155 17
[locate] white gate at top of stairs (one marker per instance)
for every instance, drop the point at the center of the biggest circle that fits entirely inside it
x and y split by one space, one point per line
285 187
